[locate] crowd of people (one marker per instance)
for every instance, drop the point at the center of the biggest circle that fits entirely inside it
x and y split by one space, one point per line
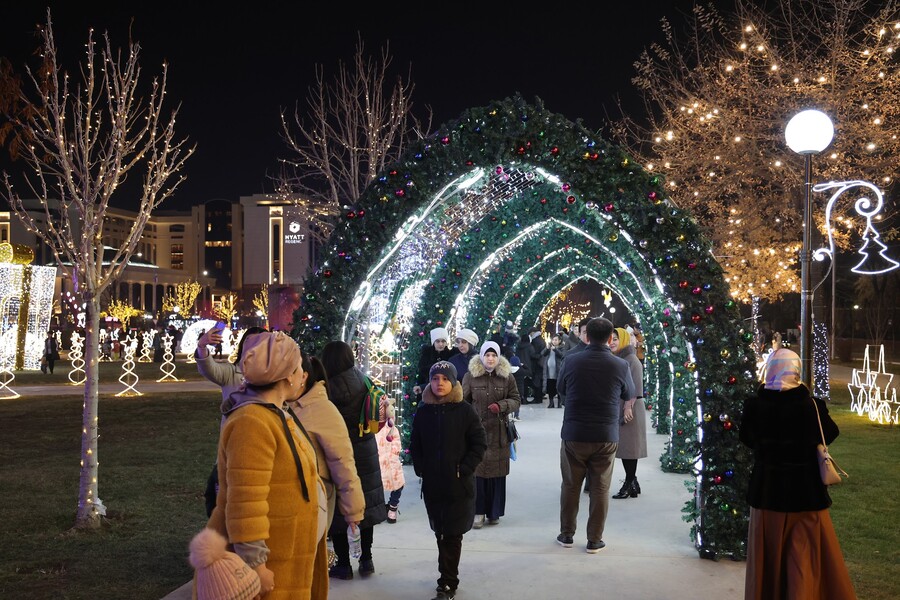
297 466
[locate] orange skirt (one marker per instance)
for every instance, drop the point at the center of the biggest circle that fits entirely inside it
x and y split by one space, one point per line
795 556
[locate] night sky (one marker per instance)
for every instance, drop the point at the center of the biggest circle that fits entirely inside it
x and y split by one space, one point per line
234 69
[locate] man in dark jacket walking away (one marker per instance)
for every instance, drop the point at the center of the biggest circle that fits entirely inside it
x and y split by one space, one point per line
525 352
447 443
537 369
596 385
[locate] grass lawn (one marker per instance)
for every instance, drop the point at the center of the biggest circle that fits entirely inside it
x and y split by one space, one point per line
156 452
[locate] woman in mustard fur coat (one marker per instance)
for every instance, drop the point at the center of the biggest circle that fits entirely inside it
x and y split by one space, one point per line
271 508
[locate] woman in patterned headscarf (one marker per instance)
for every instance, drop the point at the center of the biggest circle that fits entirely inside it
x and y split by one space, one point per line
792 549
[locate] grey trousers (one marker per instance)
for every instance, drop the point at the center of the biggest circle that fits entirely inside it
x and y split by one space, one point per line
577 459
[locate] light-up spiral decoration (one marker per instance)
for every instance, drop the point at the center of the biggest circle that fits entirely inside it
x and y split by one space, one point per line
6 378
168 366
147 346
76 356
129 378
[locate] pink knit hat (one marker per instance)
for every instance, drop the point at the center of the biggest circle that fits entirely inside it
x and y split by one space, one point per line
221 575
269 357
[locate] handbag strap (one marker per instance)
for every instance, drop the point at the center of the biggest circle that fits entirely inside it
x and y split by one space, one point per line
819 421
824 445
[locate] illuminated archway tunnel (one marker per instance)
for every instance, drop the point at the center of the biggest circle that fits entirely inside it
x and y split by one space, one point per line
486 221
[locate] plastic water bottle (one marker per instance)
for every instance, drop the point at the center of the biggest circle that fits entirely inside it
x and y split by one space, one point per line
353 539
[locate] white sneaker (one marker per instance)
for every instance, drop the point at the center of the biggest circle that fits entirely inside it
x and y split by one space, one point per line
479 522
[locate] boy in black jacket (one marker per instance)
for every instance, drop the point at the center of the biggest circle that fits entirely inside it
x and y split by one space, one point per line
447 443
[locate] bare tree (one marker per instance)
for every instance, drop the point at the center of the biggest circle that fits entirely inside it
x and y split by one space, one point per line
355 126
82 142
717 100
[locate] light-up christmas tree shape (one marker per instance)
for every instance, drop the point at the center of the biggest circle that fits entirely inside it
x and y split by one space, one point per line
76 356
874 260
129 378
168 366
147 337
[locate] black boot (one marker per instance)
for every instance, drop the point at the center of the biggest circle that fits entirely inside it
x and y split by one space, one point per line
637 487
626 491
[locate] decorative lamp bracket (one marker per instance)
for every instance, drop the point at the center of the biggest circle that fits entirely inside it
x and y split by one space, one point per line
874 260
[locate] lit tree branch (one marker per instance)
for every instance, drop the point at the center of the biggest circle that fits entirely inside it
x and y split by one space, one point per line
716 103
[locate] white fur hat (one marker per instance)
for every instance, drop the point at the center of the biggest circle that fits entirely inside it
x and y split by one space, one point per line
468 335
439 333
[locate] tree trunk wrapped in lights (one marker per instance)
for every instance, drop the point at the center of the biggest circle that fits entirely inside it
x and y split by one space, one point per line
79 144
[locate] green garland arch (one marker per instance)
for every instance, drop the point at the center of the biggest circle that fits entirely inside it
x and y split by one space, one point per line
526 202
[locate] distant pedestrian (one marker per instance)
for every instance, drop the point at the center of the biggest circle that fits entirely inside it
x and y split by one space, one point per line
595 384
510 340
447 443
467 349
437 350
51 353
552 362
537 367
515 367
525 352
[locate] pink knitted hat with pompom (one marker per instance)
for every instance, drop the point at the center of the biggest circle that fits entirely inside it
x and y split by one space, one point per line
221 575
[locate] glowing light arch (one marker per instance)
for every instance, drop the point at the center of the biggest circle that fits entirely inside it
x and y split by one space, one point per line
422 230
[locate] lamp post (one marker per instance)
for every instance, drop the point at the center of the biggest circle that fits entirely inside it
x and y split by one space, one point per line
807 133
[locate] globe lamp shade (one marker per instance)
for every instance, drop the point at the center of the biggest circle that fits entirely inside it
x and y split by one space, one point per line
809 132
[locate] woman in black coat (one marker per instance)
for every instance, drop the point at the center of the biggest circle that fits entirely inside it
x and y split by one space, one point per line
792 549
347 390
447 443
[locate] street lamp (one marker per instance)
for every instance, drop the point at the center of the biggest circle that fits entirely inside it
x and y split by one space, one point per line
807 133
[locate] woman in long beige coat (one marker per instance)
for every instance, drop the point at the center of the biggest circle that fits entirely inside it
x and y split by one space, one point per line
633 428
491 389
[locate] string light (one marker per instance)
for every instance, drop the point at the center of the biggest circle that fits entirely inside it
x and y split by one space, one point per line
735 69
869 391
